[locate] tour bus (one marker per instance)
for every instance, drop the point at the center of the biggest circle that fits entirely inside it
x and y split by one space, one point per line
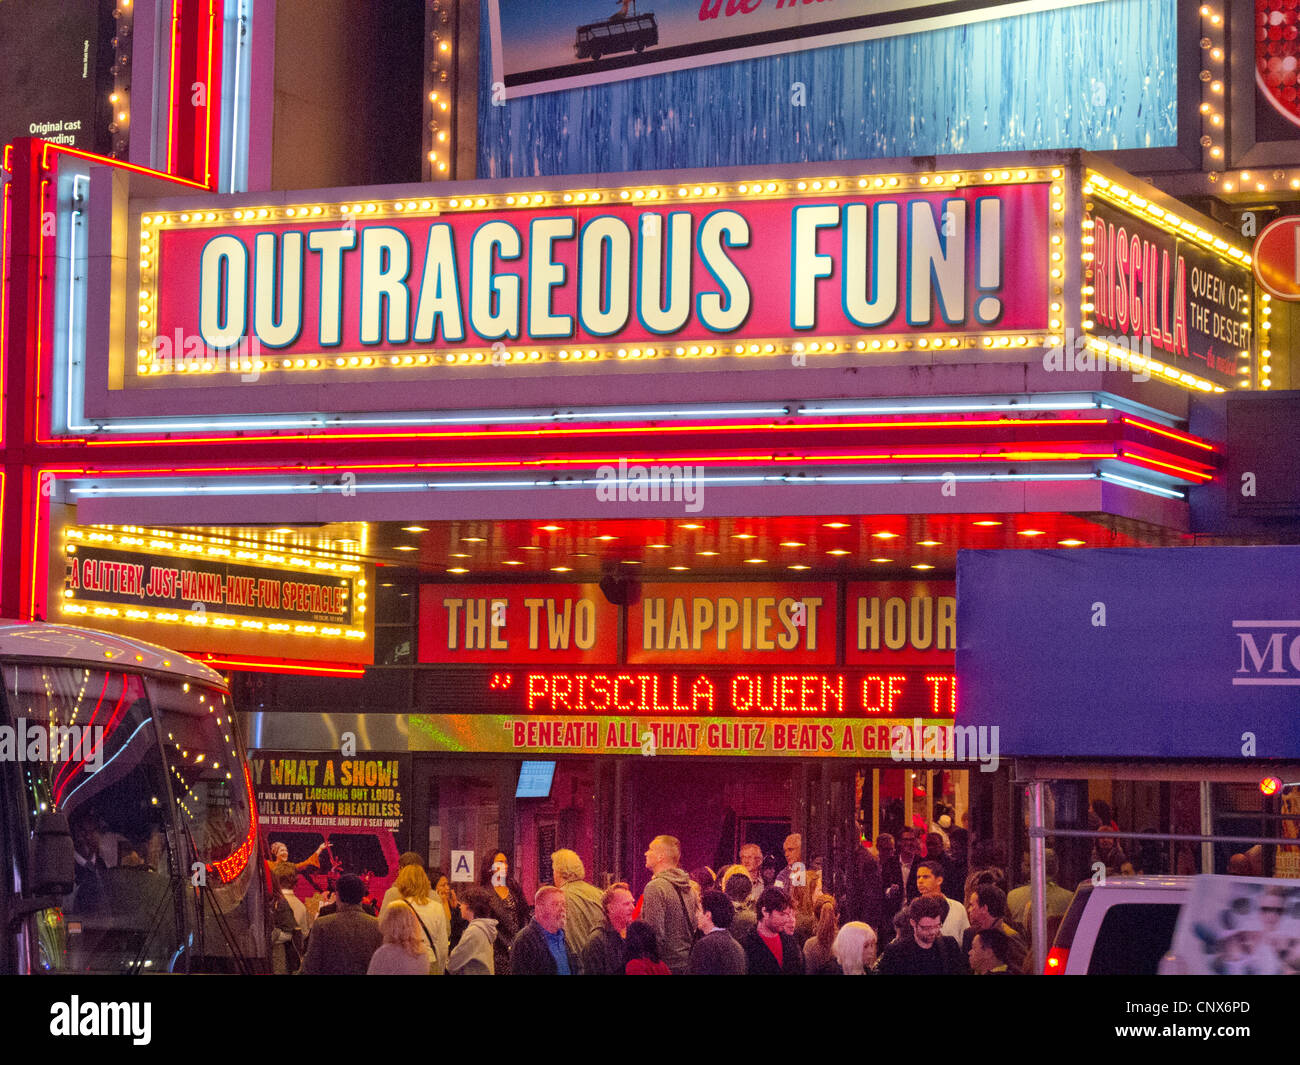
129 833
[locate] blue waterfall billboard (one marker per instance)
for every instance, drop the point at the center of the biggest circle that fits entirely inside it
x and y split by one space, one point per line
1137 653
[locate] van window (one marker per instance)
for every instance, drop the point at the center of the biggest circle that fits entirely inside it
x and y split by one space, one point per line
1132 939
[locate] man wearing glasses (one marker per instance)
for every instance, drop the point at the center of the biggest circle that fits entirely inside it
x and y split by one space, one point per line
926 952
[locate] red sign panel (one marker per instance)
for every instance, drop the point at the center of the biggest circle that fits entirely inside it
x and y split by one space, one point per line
334 281
1277 258
762 624
902 622
517 623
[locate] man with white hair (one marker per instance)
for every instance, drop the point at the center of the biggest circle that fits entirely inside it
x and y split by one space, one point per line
540 949
668 904
584 913
751 857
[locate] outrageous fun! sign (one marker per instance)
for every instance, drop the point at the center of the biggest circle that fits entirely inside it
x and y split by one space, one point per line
880 263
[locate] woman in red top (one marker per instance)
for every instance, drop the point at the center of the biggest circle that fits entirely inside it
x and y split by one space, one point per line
643 952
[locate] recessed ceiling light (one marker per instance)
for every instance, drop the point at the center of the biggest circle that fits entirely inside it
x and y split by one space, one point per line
512 562
405 547
472 540
835 525
386 584
755 561
581 554
929 543
459 554
922 565
743 536
796 567
552 528
561 569
690 526
882 560
530 547
659 547
1030 532
679 567
606 538
414 528
885 535
839 551
987 523
631 562
458 569
793 543
282 530
1070 543
707 554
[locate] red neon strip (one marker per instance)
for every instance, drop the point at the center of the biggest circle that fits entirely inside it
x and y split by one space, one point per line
1180 437
598 460
230 868
207 110
172 89
49 149
2 512
64 775
4 293
272 666
40 317
34 558
1182 471
543 433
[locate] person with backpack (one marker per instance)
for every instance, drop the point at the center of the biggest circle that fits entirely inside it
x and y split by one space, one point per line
668 905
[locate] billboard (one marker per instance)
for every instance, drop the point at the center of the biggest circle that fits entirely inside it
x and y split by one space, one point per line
1133 653
213 595
1180 301
541 48
55 76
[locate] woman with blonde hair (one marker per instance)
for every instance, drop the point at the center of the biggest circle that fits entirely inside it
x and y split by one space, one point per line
855 949
416 894
405 951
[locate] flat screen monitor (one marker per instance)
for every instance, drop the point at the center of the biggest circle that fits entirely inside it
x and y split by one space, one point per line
535 780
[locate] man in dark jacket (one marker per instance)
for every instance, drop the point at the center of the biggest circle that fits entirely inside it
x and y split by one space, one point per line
864 898
771 949
926 952
717 954
541 949
341 944
668 904
606 951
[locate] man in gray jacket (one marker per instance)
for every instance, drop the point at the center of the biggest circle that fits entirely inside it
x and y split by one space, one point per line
668 904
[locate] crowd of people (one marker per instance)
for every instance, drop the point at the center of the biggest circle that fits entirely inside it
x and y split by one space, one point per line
905 907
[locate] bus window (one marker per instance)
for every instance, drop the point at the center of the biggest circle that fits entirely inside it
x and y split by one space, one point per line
101 766
214 801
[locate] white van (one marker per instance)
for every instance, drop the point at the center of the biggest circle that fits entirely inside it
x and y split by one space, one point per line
1129 925
1123 926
